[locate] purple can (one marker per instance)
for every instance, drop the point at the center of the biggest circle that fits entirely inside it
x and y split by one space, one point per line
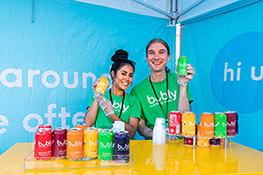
214 142
231 123
121 149
59 143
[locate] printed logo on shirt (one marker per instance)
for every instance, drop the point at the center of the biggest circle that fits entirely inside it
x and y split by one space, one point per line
162 97
117 106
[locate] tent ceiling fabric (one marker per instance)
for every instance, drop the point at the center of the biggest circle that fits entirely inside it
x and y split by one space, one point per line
183 11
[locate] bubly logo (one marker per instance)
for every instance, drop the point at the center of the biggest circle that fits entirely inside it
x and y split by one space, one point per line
93 143
75 144
125 148
237 73
44 145
162 97
59 143
208 125
231 123
108 145
189 123
117 105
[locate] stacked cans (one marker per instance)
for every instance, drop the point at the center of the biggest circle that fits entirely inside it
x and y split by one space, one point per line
232 123
59 144
121 148
42 145
91 143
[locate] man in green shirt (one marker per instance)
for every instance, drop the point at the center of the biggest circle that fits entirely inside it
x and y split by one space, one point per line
161 92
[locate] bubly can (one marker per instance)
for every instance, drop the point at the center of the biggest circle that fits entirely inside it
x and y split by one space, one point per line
215 141
74 144
105 147
121 150
182 66
203 142
42 145
188 124
220 125
175 123
188 141
207 125
102 85
91 143
231 123
59 144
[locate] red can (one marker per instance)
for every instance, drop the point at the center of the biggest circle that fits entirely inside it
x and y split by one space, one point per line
188 141
44 126
59 144
175 123
231 123
42 146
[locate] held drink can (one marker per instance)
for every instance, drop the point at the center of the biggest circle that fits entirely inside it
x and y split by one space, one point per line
231 123
74 144
91 143
175 123
105 147
42 145
121 150
59 144
220 124
182 66
102 85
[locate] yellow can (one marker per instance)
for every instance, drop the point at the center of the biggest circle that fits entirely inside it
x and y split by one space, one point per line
188 124
91 143
102 85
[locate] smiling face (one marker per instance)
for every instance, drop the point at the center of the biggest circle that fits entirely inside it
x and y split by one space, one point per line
157 57
124 77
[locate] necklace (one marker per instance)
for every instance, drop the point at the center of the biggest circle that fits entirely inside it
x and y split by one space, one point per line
123 96
165 113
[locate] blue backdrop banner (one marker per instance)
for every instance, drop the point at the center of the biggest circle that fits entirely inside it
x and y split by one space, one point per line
226 51
50 56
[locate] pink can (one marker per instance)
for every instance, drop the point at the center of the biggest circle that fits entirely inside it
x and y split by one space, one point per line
175 123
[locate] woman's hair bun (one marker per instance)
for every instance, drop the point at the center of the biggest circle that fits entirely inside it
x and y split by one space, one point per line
120 55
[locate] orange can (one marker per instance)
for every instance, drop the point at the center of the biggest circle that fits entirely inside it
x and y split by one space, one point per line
188 124
91 143
102 85
74 144
207 121
201 141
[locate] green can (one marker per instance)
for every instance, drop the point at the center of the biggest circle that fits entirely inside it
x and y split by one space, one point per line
220 125
182 66
105 146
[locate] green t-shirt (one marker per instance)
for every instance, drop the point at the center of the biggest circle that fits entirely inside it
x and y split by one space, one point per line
149 103
131 108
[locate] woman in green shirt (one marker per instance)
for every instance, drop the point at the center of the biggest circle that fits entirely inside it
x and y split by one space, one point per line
118 105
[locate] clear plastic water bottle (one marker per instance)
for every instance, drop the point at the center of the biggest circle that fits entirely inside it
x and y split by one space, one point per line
159 132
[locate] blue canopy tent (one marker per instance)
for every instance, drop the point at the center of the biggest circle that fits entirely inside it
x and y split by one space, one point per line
51 50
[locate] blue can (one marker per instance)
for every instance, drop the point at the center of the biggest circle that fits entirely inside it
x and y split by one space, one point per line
121 149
